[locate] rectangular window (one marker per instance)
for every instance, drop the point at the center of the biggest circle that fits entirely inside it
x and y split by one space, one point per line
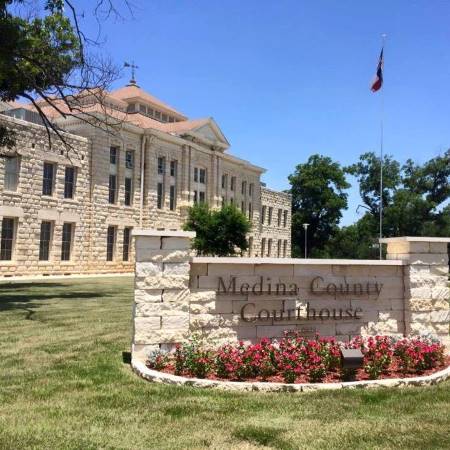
196 174
284 249
244 188
250 211
280 212
202 176
164 117
224 181
231 201
113 155
112 189
128 191
48 179
243 207
173 168
158 114
263 214
160 193
233 184
202 197
285 216
251 189
263 246
161 165
66 243
44 241
7 239
110 243
270 215
269 247
172 198
279 248
195 196
126 243
12 170
69 182
129 159
250 246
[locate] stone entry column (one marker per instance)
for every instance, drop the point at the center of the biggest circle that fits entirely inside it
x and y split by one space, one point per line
427 292
161 300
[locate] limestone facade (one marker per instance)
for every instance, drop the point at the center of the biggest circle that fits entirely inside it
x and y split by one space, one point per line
229 299
145 172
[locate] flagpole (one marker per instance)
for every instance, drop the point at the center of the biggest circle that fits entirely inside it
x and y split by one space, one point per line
383 36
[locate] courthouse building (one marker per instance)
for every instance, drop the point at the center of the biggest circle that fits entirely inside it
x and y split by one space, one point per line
70 209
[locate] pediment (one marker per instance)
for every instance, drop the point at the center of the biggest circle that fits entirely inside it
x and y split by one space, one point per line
211 132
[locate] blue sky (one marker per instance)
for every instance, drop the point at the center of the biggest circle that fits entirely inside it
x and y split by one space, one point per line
285 79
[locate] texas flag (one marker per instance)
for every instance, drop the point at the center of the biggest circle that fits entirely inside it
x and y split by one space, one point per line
378 81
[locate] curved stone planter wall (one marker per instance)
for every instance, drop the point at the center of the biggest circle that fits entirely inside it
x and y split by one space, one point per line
160 377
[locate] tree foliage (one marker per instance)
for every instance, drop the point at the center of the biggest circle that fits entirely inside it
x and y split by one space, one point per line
318 198
46 58
415 203
219 232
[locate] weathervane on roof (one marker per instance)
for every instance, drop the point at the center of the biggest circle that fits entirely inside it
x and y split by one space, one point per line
133 67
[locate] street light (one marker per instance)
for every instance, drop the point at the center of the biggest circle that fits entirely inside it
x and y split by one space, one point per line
305 226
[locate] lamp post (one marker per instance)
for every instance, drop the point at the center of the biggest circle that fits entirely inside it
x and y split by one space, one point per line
305 226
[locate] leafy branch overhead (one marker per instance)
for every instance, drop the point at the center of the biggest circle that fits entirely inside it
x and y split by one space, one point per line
46 59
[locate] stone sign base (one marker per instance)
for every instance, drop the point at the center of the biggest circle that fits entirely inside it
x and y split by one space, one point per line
228 299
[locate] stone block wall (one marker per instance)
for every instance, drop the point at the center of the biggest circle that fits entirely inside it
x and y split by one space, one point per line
228 299
427 291
275 230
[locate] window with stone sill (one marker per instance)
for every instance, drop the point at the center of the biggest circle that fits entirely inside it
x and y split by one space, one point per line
263 246
263 214
224 181
12 172
126 243
161 165
172 198
270 215
7 238
233 184
48 179
110 242
173 168
113 155
45 240
160 195
285 217
69 182
280 212
66 241
269 247
129 159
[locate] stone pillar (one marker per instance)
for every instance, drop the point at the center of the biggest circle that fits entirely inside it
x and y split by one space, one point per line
426 283
161 291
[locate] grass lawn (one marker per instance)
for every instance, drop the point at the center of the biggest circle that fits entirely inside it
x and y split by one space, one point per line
63 385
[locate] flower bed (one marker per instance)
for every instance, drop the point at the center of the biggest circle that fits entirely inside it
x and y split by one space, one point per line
295 359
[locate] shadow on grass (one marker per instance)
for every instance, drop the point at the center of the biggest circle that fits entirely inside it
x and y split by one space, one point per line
9 301
12 285
267 436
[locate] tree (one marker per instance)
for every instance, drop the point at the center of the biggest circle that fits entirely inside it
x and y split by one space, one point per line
367 172
45 58
318 198
219 232
414 198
